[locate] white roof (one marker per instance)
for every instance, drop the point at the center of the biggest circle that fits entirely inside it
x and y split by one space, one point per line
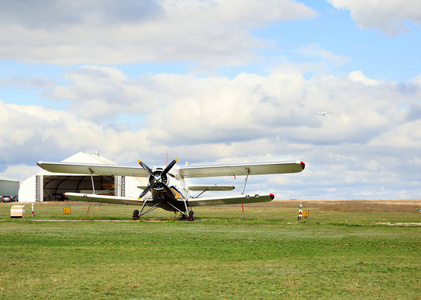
8 179
88 158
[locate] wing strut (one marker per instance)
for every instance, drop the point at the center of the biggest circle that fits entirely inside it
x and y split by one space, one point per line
149 210
202 192
92 180
180 211
143 206
185 204
247 177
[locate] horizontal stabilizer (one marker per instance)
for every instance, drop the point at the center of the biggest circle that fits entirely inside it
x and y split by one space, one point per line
211 187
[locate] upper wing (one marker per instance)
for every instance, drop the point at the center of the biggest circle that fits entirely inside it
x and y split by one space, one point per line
242 169
103 199
230 200
96 169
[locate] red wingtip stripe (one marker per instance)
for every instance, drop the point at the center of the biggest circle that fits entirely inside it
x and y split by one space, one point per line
272 196
303 165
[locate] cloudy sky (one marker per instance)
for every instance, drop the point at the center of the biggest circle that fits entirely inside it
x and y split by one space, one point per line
215 81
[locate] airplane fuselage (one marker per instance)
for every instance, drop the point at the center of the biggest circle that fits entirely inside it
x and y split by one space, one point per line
166 201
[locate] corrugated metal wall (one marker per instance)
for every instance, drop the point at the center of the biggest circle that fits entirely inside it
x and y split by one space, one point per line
9 187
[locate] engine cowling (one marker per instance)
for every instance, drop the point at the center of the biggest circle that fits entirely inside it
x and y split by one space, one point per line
157 179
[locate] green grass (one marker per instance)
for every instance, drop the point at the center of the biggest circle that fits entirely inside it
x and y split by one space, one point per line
331 254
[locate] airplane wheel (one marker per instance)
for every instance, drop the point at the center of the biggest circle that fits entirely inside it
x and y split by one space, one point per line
191 216
136 215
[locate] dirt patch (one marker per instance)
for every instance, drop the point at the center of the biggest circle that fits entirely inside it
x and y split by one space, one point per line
399 224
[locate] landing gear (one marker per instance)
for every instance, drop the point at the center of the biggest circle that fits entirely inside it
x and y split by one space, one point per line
187 216
191 216
136 215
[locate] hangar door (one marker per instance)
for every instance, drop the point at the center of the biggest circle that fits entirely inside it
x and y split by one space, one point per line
55 186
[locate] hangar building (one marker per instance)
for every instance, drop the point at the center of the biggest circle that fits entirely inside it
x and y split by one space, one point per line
8 187
46 186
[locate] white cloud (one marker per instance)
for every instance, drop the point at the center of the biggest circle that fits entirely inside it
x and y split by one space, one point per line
33 133
61 13
360 77
279 180
181 109
369 139
101 92
330 57
20 172
388 16
207 32
405 136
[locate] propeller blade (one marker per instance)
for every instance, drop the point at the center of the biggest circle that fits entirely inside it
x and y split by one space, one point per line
145 191
169 166
143 165
168 189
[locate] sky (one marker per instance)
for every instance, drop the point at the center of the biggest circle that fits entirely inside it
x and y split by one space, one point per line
219 82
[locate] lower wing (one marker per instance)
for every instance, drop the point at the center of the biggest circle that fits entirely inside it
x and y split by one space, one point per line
203 201
230 200
103 199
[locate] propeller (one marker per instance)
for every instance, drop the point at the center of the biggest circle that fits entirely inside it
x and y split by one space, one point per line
145 191
157 179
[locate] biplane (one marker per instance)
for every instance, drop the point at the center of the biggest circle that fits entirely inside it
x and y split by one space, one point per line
168 187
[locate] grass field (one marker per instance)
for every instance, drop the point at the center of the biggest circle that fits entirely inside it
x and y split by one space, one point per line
343 250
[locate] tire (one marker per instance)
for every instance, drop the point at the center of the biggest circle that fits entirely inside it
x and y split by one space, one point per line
136 215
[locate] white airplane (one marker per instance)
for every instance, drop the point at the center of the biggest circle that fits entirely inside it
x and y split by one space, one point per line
323 113
168 187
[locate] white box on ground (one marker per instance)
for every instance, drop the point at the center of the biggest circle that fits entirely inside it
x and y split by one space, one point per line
17 211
